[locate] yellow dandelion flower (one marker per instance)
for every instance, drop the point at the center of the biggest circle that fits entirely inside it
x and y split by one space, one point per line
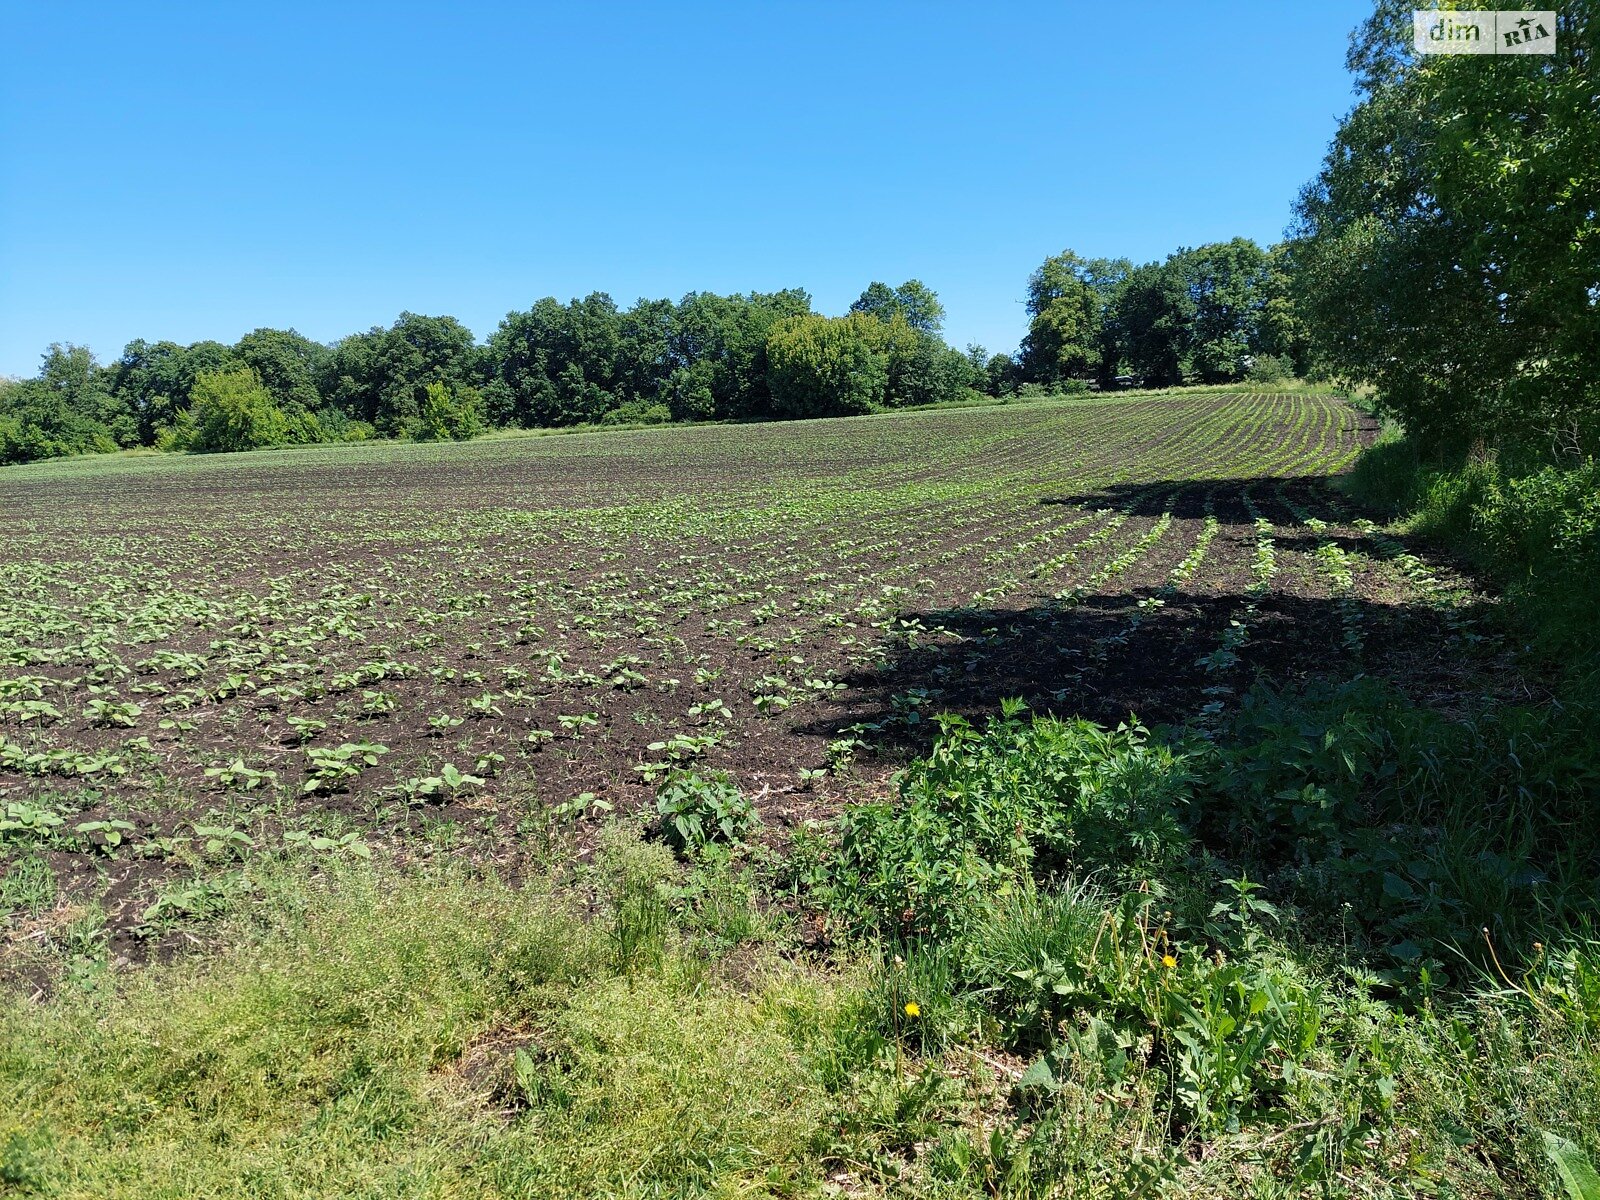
1169 961
912 1009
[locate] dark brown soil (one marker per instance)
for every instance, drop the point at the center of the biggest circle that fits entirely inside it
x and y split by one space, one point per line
869 573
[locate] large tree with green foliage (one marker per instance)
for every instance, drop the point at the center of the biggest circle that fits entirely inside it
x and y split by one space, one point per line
1281 329
1152 322
556 364
1227 291
1064 321
1449 252
921 368
382 376
85 387
154 380
719 353
450 412
1068 302
644 350
288 365
70 407
913 301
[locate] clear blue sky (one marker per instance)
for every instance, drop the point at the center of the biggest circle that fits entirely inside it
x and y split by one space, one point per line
196 171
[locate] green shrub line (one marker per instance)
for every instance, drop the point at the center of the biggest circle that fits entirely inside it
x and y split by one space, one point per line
1531 523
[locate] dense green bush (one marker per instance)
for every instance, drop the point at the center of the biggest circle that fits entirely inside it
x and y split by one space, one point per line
1538 530
826 366
1100 899
1270 368
987 810
1387 477
35 423
67 409
974 877
697 809
232 410
448 414
337 426
1409 829
638 412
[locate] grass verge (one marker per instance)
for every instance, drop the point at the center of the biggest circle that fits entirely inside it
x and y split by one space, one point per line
1059 968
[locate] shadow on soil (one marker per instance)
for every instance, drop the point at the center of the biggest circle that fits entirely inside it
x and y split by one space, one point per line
1186 498
1089 659
1069 661
1273 496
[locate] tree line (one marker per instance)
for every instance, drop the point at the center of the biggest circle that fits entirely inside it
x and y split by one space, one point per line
1209 315
704 358
1447 256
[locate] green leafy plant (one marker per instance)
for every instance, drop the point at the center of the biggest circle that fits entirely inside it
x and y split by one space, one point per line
112 713
984 810
21 821
697 809
581 807
1572 1166
450 780
105 834
303 729
348 843
240 777
224 841
334 767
